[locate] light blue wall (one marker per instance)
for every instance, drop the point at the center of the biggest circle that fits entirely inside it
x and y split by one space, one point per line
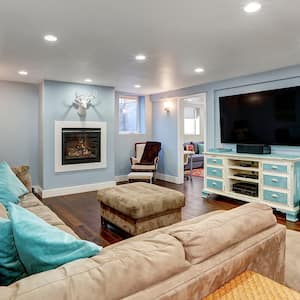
281 78
124 143
19 131
164 130
57 98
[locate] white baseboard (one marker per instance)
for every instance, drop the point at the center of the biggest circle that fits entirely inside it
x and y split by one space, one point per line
168 178
121 178
69 190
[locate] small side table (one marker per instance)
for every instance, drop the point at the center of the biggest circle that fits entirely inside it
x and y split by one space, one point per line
190 155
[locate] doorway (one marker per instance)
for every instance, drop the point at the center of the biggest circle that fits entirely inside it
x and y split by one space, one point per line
191 136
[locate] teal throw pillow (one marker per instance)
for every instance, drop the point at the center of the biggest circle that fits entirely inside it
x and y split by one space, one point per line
11 188
41 246
200 148
11 269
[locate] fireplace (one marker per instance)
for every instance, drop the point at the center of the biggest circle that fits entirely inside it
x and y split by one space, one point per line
81 145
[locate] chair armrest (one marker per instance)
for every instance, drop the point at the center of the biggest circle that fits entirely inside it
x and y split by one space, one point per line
156 160
133 160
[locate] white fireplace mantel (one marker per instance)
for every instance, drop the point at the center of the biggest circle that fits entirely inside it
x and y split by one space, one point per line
59 125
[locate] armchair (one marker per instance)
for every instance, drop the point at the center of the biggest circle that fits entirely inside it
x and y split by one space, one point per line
137 165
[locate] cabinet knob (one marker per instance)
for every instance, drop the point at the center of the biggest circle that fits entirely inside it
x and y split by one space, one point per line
274 167
274 196
274 180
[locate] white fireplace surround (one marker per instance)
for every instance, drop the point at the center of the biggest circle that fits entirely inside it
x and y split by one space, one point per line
59 125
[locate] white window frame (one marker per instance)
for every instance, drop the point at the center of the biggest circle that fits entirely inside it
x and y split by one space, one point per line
195 121
138 125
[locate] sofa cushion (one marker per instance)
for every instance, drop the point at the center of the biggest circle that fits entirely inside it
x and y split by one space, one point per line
46 214
29 200
218 232
112 275
22 172
140 199
198 157
42 247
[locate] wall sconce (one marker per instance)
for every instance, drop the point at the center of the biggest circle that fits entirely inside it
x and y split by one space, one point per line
168 106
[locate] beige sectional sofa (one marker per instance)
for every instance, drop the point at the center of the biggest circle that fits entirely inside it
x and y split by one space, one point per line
187 260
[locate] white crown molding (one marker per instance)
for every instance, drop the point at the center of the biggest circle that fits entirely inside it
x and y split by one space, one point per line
69 190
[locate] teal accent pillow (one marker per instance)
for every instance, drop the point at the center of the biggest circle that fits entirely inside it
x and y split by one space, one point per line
11 268
6 196
11 188
200 148
43 247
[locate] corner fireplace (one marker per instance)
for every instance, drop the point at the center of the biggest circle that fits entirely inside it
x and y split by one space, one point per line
81 145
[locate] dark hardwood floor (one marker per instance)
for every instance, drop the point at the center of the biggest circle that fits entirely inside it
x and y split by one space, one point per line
81 211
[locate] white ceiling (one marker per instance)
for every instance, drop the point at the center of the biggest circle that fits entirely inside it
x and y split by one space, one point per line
99 39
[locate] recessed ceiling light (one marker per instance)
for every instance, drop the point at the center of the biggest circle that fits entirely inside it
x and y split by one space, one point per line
50 38
199 70
137 86
252 7
23 72
88 80
140 57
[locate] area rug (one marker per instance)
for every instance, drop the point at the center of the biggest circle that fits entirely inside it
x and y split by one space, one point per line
292 263
196 172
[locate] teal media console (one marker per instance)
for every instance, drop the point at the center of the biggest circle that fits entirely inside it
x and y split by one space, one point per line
276 178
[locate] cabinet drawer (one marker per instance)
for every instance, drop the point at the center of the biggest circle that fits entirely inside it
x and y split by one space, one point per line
275 196
215 172
215 184
214 161
275 168
276 181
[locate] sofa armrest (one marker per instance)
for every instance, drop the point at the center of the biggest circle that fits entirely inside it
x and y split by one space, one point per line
22 172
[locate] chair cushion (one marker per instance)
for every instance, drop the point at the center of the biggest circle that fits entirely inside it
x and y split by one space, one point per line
143 167
42 247
140 199
218 232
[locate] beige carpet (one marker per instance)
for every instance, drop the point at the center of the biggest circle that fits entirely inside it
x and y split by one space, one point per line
292 268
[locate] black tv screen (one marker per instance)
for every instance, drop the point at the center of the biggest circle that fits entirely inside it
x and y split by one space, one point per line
269 117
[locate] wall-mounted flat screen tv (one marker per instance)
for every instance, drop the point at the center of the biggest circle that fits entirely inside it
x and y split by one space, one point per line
268 117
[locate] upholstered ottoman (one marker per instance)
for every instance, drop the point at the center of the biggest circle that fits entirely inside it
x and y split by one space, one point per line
140 207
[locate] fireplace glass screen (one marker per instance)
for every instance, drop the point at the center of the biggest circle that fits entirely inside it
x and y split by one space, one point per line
81 145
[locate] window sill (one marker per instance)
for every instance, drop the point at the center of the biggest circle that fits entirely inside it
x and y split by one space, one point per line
130 133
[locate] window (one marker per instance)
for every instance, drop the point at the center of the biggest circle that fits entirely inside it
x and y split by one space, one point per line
129 115
191 120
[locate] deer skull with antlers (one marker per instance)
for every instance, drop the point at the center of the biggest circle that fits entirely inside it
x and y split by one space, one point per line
83 102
